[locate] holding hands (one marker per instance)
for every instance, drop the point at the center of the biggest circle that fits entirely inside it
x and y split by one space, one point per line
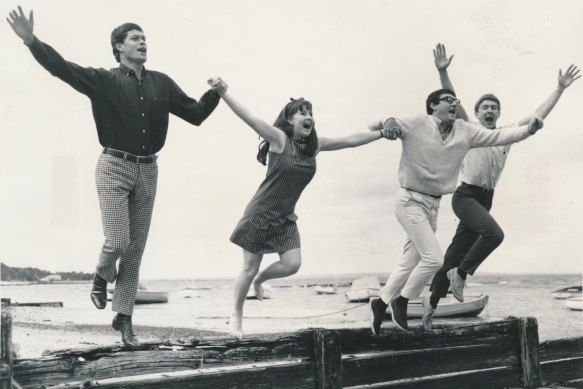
218 85
22 26
535 124
391 129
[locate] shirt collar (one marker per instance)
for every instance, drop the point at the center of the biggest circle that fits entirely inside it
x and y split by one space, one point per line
127 71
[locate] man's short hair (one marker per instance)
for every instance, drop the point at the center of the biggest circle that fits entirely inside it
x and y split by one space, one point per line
434 98
119 34
487 96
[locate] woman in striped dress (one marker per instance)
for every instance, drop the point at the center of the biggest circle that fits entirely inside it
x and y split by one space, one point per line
268 224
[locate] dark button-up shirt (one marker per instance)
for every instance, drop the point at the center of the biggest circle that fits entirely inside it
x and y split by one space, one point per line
130 114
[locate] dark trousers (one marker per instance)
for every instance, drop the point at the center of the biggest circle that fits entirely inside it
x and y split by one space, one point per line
477 235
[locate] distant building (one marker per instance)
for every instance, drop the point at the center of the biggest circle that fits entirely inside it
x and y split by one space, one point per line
51 278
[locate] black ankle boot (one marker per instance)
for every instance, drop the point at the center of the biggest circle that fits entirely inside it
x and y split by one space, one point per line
99 292
124 324
115 324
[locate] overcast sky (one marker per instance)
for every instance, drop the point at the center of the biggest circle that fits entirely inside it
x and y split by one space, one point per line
354 60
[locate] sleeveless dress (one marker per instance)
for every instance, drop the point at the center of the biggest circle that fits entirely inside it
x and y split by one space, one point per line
269 222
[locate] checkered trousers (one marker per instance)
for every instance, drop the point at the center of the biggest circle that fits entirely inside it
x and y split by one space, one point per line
126 192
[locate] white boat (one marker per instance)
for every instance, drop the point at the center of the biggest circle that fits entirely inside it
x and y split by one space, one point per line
449 307
574 303
324 289
266 292
362 289
565 293
147 296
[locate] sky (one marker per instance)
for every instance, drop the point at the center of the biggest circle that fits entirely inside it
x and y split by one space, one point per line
355 61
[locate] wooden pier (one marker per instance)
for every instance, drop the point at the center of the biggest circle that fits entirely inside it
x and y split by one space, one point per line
498 354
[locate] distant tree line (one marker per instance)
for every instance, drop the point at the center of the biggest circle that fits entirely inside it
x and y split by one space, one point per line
33 274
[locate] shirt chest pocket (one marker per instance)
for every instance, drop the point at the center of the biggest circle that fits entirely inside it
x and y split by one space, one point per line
160 110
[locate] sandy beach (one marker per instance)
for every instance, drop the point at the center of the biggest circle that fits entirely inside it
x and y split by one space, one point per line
294 306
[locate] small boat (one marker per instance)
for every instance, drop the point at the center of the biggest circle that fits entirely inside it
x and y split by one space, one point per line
565 293
362 289
147 296
449 307
574 303
324 289
266 292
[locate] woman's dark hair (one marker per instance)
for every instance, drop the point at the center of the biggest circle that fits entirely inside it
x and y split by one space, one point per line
119 35
434 98
283 124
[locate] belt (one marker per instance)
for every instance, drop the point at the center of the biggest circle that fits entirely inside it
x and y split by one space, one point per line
130 157
477 188
426 194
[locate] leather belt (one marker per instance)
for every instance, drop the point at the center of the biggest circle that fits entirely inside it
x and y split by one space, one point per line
477 188
130 157
426 194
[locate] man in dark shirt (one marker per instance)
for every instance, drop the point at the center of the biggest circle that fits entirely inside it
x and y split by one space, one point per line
131 106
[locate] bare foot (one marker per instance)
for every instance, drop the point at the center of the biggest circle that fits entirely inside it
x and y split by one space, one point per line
236 326
258 290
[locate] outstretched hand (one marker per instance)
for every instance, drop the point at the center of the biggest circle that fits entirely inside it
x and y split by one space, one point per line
22 26
218 85
535 124
440 57
565 80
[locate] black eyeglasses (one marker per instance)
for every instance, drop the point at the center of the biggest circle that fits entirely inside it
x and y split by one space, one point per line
450 100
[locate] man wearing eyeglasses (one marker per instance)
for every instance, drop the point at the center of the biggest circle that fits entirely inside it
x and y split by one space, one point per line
131 107
433 148
477 234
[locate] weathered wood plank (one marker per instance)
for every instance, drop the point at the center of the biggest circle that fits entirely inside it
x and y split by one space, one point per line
528 338
328 359
112 361
560 348
396 365
55 304
292 374
6 349
486 379
361 340
562 370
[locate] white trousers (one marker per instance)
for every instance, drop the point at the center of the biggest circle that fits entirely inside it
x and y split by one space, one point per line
422 256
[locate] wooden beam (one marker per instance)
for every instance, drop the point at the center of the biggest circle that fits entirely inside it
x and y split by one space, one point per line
6 352
328 358
528 338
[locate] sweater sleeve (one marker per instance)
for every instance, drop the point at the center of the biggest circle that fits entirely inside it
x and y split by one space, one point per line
481 137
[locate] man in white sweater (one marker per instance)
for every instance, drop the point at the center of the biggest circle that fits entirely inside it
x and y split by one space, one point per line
434 146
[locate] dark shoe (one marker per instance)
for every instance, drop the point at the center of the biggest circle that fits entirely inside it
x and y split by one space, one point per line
99 292
124 325
428 311
399 315
115 324
377 312
457 284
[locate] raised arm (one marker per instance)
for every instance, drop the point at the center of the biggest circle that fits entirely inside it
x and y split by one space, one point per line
273 135
22 26
354 140
481 137
564 81
82 79
442 63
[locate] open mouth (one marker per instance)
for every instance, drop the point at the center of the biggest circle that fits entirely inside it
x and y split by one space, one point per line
489 119
308 124
142 50
452 109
